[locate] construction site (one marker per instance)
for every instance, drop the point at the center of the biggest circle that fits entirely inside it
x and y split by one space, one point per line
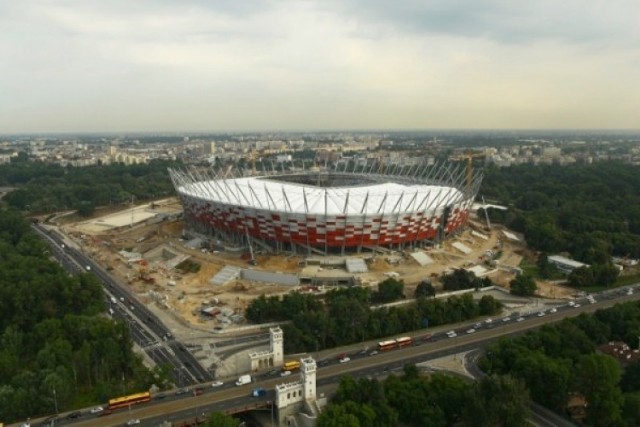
145 246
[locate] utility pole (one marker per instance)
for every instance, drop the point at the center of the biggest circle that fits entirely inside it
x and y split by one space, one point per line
55 400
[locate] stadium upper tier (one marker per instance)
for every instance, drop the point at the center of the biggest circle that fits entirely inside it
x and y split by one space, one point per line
261 193
336 209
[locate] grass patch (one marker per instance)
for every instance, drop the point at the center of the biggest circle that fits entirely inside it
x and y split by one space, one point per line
188 266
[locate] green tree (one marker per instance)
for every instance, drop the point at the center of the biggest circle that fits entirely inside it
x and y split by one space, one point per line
631 409
523 285
545 269
425 289
497 401
582 277
220 419
488 305
338 415
389 290
631 378
597 377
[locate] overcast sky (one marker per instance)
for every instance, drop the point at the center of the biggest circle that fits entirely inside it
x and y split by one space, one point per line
212 65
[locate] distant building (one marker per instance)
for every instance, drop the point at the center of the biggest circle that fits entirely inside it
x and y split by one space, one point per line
564 264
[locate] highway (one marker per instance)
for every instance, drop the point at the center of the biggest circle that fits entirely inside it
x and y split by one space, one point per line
147 331
229 397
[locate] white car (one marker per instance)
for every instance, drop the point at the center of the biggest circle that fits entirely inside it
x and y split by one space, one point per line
506 319
576 305
133 422
217 384
520 319
541 313
287 373
553 310
452 334
488 321
97 410
344 359
571 303
470 331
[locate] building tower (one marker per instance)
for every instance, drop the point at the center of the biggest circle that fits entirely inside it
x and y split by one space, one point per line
277 345
308 375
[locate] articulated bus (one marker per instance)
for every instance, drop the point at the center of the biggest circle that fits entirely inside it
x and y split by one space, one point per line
386 345
404 341
291 365
132 399
397 343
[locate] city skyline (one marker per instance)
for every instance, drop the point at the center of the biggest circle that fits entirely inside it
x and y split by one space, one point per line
168 66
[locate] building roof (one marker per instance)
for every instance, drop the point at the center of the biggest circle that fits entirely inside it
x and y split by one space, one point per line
374 198
559 259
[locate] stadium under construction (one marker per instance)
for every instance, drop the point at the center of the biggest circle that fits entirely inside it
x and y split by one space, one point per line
329 211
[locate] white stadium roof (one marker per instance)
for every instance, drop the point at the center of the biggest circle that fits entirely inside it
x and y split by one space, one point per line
268 193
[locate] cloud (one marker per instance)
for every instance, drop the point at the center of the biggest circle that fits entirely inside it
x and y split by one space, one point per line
163 65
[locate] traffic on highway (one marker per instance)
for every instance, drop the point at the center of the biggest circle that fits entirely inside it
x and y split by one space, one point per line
375 359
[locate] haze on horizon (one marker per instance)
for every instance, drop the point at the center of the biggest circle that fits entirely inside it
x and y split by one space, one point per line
197 65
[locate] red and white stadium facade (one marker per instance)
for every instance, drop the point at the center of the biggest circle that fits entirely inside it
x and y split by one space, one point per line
332 211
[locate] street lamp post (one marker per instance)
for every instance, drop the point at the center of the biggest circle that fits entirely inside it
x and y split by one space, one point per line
55 400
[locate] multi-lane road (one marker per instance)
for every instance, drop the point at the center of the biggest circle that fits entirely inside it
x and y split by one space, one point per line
150 334
363 363
147 331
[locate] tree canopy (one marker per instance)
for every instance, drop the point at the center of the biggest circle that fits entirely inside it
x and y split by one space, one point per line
54 335
44 187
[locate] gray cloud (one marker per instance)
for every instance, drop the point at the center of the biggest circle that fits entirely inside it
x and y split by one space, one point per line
505 21
198 64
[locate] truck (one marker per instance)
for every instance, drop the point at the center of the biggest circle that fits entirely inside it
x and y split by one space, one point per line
258 392
244 379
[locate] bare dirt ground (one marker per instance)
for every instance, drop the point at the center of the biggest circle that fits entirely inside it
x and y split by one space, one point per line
138 230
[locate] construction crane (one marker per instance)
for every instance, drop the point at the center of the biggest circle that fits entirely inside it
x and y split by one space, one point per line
468 157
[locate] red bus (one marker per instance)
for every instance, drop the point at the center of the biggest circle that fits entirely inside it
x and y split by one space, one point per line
404 341
132 399
386 345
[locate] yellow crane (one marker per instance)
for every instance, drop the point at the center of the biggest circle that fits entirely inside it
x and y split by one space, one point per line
468 157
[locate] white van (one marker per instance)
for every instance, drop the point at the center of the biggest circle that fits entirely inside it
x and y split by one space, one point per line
244 379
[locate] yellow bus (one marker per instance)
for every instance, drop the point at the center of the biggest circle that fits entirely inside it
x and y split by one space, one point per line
132 399
291 365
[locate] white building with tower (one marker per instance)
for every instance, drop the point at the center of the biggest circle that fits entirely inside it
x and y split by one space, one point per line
297 402
272 357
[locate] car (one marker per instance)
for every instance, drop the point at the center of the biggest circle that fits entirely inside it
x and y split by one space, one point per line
97 410
198 391
344 359
452 334
73 415
571 303
520 319
506 319
182 390
287 373
488 321
477 325
217 384
541 313
88 268
553 310
470 331
576 305
133 422
373 353
105 413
